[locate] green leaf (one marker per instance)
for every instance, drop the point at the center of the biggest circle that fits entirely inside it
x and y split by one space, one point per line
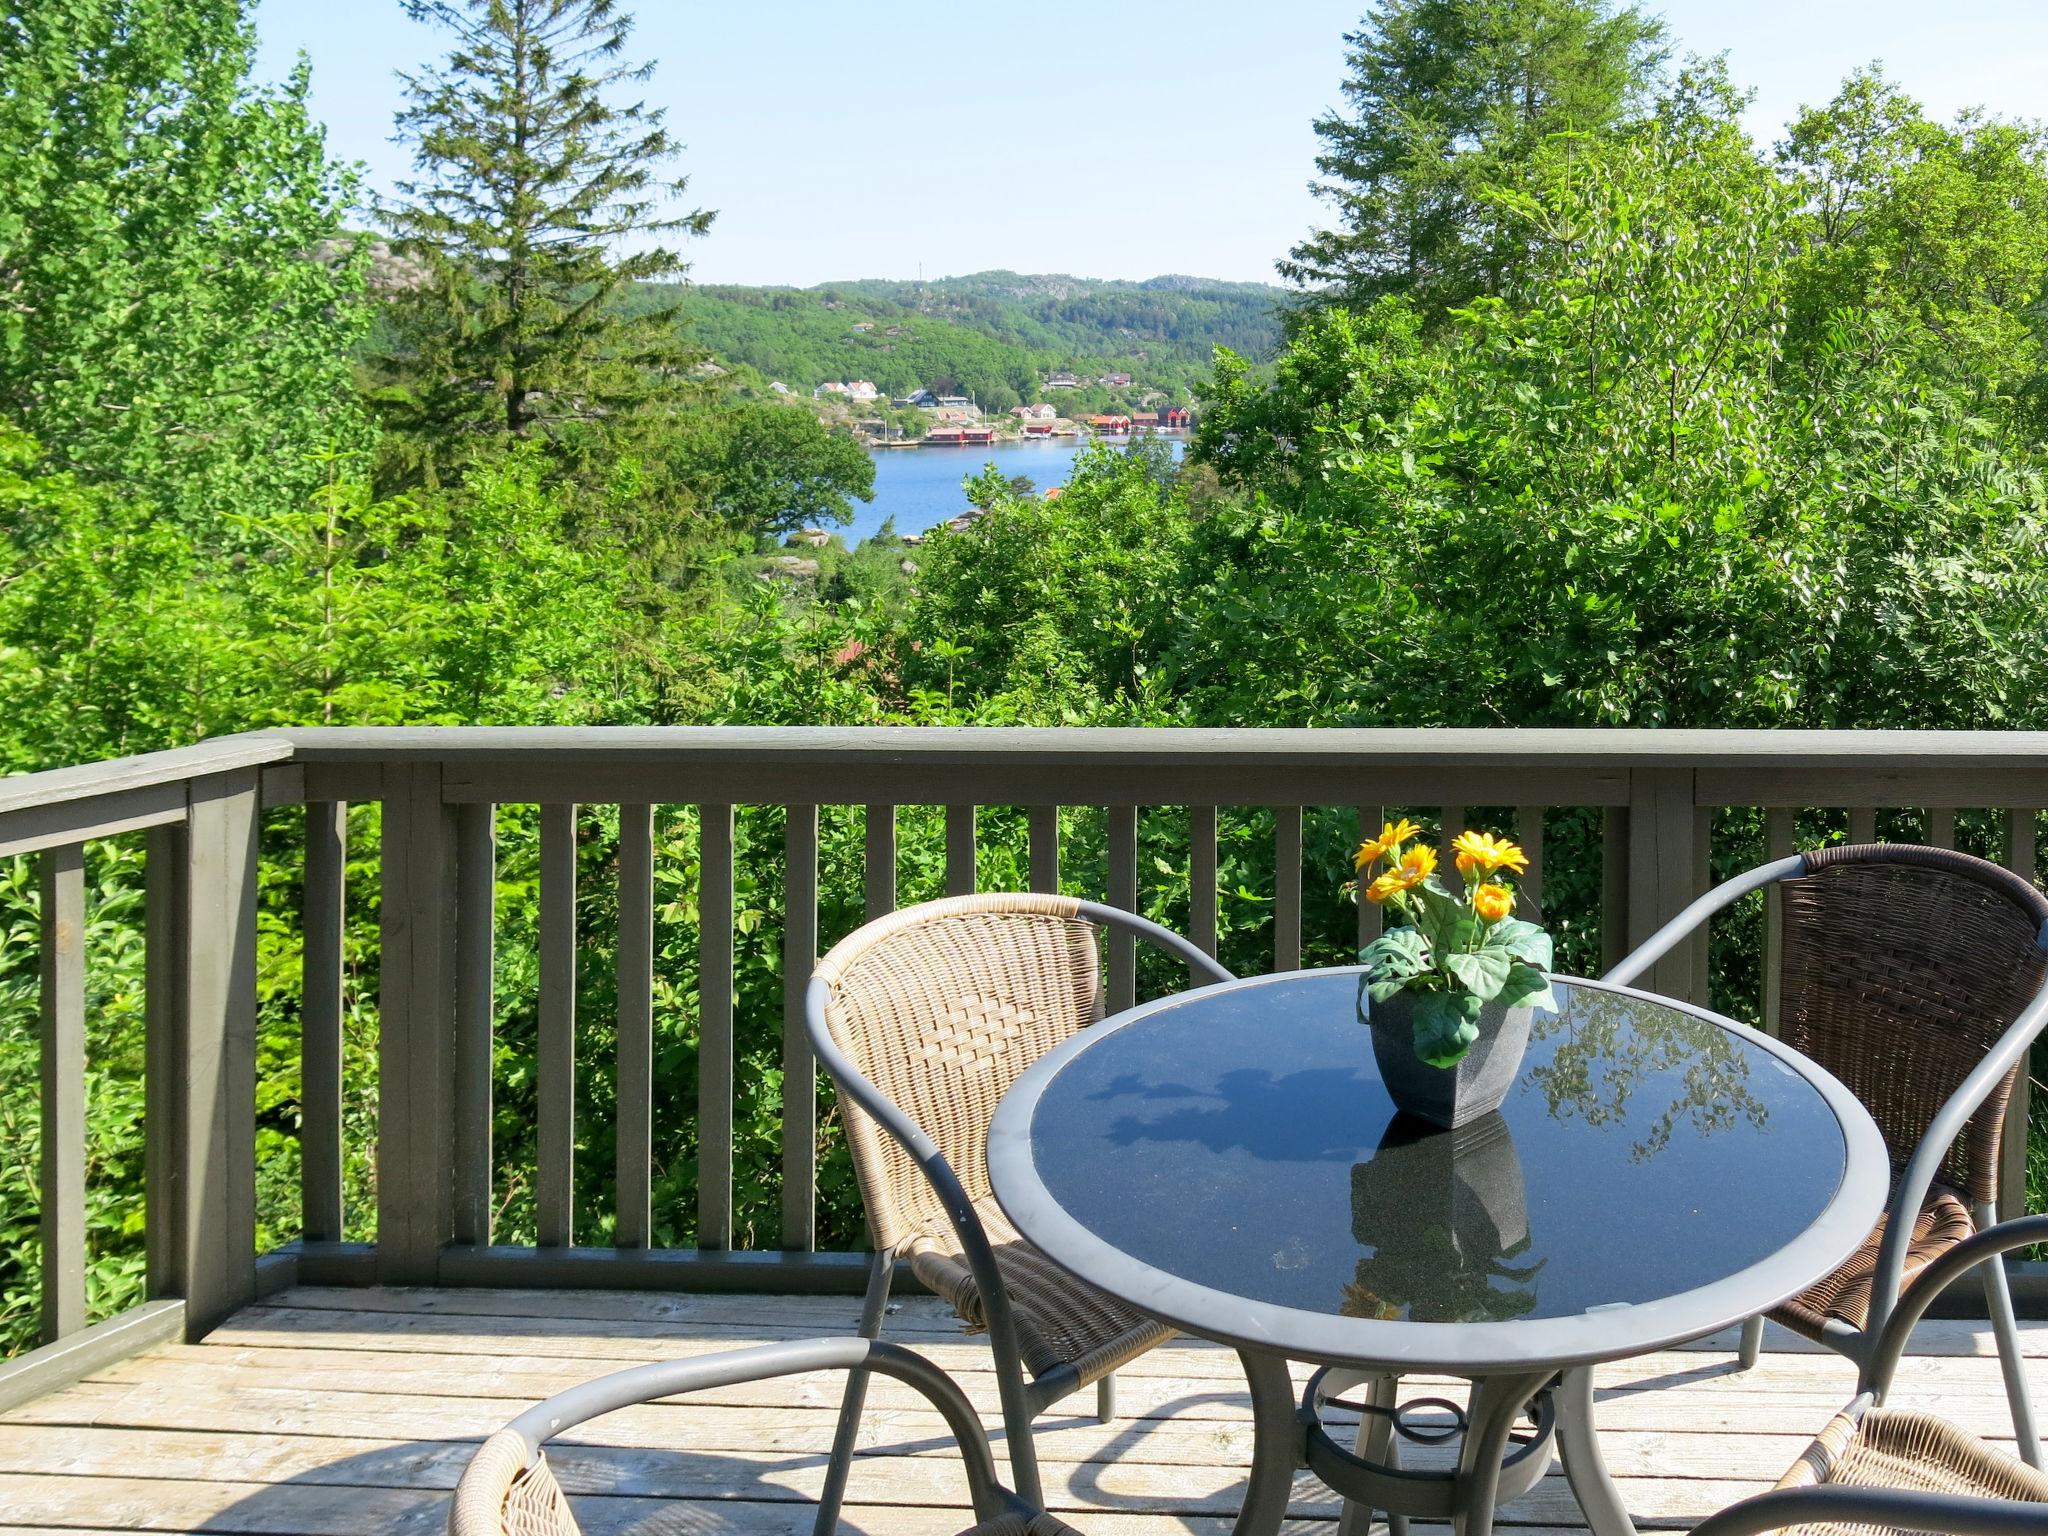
1392 960
1524 941
1526 986
1446 1024
1482 973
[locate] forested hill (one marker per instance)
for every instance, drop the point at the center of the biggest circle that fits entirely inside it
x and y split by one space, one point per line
991 333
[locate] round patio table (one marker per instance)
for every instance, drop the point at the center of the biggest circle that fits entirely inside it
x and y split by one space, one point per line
1228 1161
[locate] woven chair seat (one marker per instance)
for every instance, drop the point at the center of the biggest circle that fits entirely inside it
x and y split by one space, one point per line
1915 1452
1022 1525
1944 1221
1061 1319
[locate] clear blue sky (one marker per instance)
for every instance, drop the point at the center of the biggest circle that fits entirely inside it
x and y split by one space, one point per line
1123 138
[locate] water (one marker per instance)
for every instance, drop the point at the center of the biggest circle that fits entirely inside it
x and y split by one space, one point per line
920 487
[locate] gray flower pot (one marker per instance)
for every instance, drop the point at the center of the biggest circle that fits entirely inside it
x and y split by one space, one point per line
1447 1096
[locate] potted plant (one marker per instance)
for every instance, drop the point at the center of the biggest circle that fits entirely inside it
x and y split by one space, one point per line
1449 990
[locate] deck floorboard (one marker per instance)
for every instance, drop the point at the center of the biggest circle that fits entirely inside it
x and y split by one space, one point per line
336 1412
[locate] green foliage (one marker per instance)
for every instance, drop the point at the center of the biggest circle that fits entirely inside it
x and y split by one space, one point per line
770 469
175 308
1445 101
531 175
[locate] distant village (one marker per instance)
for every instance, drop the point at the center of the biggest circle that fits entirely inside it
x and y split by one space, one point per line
950 421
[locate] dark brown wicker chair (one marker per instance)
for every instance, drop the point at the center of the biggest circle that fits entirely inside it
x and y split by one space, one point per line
508 1489
923 1019
1919 977
1877 1470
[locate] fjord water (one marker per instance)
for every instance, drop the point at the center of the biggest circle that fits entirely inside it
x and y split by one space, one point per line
920 487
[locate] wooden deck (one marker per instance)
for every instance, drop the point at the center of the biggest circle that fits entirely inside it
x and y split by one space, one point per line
351 1413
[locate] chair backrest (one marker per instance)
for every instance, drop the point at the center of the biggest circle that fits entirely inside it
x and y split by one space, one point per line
942 1006
502 1495
1902 967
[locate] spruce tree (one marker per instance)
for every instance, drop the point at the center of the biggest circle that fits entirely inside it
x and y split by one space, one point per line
1443 99
540 200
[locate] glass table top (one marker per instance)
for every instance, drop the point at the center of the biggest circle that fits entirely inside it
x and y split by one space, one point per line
1241 1140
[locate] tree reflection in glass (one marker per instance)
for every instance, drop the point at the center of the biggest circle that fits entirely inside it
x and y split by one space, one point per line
1445 1213
1604 1046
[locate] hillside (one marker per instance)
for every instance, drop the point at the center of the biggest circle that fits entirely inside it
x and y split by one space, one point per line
995 335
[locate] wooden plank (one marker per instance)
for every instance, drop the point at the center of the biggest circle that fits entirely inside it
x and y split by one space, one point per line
1780 834
58 1364
878 871
416 1001
1529 833
2021 858
555 1048
1863 824
1287 888
1043 822
1371 819
61 1070
799 1066
1614 898
1450 822
166 907
1702 880
215 1175
634 1131
960 861
1202 877
320 976
1941 826
714 1028
34 829
1662 866
476 1015
1122 981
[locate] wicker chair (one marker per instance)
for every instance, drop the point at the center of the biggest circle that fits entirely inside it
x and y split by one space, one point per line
509 1490
1919 977
923 1019
1877 1469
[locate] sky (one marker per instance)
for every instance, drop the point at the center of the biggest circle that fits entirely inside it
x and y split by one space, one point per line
1122 138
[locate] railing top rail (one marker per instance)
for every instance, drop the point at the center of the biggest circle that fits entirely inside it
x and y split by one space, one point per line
121 775
1167 746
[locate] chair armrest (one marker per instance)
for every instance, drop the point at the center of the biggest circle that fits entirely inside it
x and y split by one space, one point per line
1202 970
1886 1508
1667 938
646 1383
1990 1244
1933 1149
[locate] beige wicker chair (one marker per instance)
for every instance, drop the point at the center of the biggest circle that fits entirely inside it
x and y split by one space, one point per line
1876 1469
923 1019
508 1488
1919 977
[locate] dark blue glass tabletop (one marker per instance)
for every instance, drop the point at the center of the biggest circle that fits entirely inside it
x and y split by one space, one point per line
1230 1160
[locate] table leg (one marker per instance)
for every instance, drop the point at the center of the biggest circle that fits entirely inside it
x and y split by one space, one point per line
1375 1444
1276 1445
1584 1467
1497 1401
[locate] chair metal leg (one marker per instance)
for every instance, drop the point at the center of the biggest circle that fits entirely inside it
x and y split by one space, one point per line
1752 1342
1022 1450
2005 1328
1105 1399
881 1271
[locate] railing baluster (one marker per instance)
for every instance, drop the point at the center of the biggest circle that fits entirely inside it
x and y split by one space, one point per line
555 1065
1614 918
1202 877
1702 879
1123 892
878 876
714 1028
1529 833
63 1090
1370 819
320 963
1450 824
1941 826
1863 824
476 1015
1044 824
165 909
799 1069
634 1133
960 863
1287 888
2021 859
1781 829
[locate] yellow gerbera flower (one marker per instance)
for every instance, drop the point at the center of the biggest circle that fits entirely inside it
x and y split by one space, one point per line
1416 866
1386 887
1486 853
1493 902
1392 835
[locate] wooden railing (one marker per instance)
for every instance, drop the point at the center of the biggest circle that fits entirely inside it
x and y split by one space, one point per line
1654 794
